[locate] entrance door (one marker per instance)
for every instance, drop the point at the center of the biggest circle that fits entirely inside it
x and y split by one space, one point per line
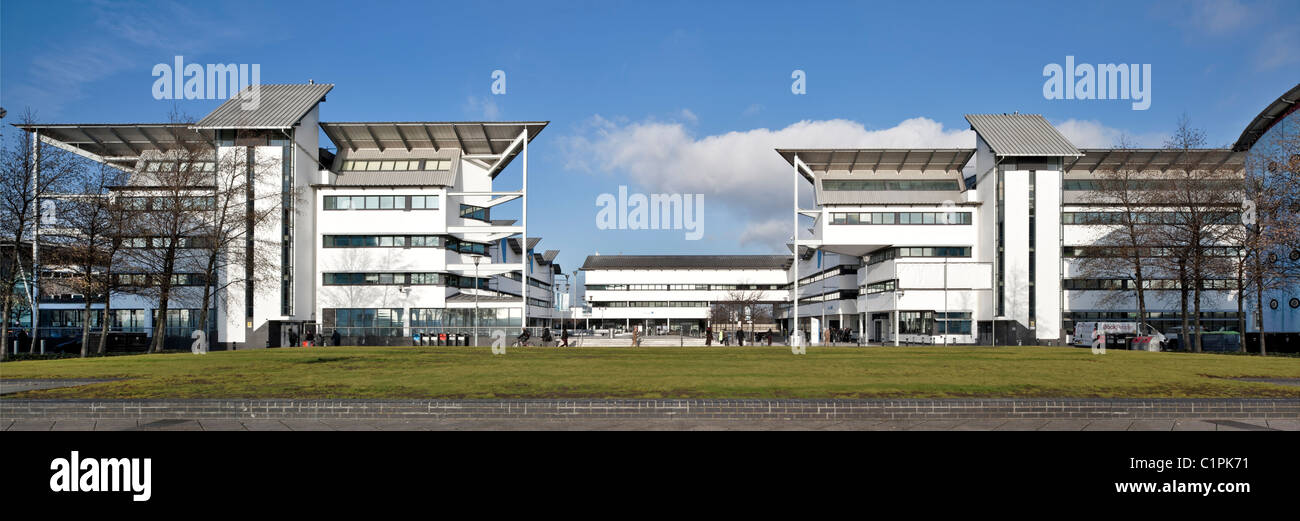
880 326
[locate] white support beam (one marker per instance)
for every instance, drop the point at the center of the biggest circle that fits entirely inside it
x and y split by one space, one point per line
509 151
485 229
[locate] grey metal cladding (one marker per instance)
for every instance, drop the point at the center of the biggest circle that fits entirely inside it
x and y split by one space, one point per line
1021 135
277 106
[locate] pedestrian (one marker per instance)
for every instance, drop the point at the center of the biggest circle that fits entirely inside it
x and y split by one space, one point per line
293 337
740 337
546 337
769 337
708 335
564 338
311 339
336 338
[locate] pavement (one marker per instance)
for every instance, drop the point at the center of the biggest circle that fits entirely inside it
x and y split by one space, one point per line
18 385
646 425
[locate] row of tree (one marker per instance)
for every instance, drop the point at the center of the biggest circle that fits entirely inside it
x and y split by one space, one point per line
184 229
1199 237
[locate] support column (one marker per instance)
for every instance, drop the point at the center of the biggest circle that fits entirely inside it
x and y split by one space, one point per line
794 287
35 288
523 240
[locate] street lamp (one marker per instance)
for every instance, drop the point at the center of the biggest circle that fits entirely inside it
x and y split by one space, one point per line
476 258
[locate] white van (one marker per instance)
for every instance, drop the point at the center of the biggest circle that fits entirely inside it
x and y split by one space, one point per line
1117 331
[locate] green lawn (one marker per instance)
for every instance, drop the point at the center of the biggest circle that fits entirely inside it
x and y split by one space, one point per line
659 372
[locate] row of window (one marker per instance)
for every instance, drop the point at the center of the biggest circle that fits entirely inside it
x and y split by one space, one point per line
470 211
889 185
183 166
144 279
381 202
845 294
936 251
833 272
883 286
1146 217
403 165
1148 252
901 218
381 241
684 287
168 203
162 242
1090 185
513 275
934 323
401 279
650 304
1128 284
122 319
390 321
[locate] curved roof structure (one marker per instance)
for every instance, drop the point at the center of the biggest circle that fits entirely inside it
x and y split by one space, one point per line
1274 112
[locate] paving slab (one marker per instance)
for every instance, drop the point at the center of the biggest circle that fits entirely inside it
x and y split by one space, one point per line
1108 425
31 425
307 425
978 425
1065 425
221 425
1021 425
935 425
1152 425
1241 425
1284 425
1194 425
264 425
73 425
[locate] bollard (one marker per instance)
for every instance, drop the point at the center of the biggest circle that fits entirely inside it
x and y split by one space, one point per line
42 346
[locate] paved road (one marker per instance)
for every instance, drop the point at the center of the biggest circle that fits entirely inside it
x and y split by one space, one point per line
649 425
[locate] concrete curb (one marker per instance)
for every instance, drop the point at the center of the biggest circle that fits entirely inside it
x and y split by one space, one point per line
919 409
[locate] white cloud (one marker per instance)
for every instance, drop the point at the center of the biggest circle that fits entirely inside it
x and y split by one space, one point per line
772 232
741 170
1093 134
485 108
1219 17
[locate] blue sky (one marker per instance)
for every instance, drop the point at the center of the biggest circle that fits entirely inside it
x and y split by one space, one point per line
670 97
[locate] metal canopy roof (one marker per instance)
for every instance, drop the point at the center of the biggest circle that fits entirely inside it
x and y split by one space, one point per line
532 243
1021 135
485 138
879 159
1274 112
664 262
266 106
1157 159
120 145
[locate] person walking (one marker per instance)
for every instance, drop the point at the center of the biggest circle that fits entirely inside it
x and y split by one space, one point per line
740 338
769 337
336 338
311 339
564 338
708 335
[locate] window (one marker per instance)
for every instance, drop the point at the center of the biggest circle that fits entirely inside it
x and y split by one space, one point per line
902 218
424 202
437 164
366 202
896 185
384 279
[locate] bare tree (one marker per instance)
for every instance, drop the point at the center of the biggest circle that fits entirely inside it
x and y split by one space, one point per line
739 305
1271 243
1125 252
19 196
89 227
1201 208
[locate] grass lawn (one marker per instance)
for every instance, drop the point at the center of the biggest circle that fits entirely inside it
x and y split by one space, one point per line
663 372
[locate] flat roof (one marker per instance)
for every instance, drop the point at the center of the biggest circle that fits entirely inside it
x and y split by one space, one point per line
878 159
1159 159
483 138
1021 135
119 144
677 262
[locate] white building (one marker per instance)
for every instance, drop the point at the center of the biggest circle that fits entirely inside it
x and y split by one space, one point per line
675 292
382 239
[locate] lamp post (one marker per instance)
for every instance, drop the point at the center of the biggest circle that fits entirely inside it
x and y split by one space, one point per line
476 258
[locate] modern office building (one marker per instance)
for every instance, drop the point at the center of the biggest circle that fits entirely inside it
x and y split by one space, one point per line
382 230
675 292
1271 139
991 255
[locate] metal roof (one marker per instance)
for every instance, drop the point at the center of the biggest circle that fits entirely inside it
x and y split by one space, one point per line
549 255
532 243
396 178
1155 159
480 138
662 262
120 144
1021 135
274 106
1274 112
879 159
